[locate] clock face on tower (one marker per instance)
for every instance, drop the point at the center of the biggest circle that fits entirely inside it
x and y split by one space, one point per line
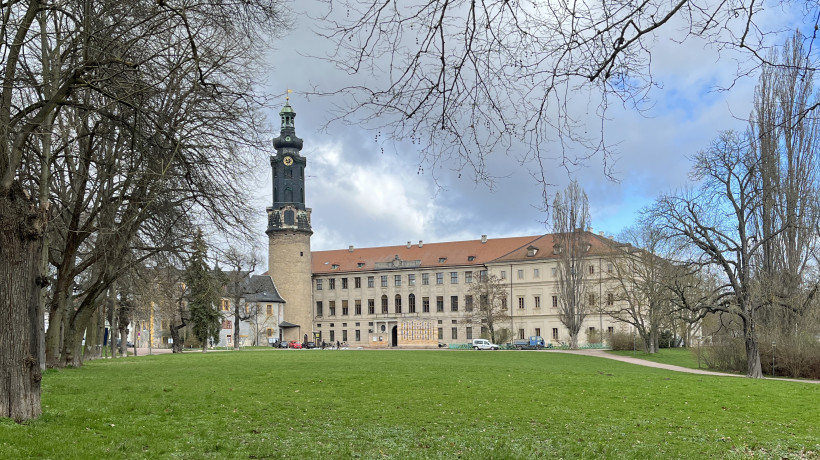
287 161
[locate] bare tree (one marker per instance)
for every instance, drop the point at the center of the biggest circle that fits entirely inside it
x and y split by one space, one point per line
492 312
641 271
718 220
465 79
240 268
116 65
570 218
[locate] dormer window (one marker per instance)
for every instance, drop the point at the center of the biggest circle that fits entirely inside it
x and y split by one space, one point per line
470 258
441 260
532 251
334 267
360 264
557 249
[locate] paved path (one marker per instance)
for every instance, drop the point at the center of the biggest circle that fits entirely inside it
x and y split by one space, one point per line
671 367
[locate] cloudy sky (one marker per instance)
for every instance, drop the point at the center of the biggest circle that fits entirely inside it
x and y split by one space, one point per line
365 193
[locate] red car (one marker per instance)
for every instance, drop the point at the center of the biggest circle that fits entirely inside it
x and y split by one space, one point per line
294 344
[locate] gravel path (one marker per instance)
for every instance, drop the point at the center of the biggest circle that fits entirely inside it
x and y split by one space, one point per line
671 367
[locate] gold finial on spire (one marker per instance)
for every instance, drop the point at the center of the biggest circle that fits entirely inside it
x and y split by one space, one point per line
287 96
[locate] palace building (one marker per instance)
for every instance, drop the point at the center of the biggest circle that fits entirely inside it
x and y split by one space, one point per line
414 295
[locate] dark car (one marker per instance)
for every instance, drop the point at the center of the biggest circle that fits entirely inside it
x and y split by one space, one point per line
309 345
280 344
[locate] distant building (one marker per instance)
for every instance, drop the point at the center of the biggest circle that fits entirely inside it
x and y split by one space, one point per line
414 295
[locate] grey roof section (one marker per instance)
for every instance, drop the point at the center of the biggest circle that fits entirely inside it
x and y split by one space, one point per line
260 288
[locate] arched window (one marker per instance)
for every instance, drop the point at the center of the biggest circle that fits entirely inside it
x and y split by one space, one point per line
411 303
384 304
398 303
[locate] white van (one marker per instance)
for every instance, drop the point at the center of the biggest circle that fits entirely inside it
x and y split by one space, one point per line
484 344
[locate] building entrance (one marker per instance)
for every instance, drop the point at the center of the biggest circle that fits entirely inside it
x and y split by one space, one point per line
394 336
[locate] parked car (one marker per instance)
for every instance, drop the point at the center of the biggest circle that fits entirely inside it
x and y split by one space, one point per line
294 344
484 344
309 345
281 344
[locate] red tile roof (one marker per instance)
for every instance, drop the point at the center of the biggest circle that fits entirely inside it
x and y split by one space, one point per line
428 255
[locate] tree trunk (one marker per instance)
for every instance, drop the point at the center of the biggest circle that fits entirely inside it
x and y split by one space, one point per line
755 371
22 226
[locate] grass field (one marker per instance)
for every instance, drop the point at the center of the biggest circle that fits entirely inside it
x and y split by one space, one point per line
409 404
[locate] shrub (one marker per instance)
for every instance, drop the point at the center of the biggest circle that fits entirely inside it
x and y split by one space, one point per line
621 341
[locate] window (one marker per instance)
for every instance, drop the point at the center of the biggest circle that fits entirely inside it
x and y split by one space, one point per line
344 335
610 330
503 274
554 272
591 269
538 331
592 300
441 260
358 306
332 336
440 278
345 310
358 335
468 303
453 277
439 304
425 279
269 309
344 283
360 264
226 305
503 303
269 332
396 280
357 282
332 267
318 285
371 281
521 334
425 305
454 303
384 304
397 303
537 304
521 274
468 277
610 299
371 306
411 303
555 333
384 280
331 283
469 333
592 329
520 303
555 301
441 333
454 333
483 275
318 308
470 258
609 268
536 273
411 279
332 307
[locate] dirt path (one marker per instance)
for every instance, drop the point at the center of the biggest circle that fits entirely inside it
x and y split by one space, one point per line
671 367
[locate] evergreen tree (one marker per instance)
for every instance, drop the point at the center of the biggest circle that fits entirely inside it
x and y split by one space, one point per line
203 294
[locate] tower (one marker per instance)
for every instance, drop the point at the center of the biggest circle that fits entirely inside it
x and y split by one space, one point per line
289 232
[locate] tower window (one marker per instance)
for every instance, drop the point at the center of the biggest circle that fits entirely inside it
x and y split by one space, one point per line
289 218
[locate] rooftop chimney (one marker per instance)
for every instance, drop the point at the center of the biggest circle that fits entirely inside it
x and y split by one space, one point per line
483 239
409 244
421 243
350 248
601 233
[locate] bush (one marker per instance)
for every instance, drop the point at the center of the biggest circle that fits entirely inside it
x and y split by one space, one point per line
725 353
621 341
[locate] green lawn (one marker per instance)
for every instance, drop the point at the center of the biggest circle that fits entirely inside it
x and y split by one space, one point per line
683 357
409 404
